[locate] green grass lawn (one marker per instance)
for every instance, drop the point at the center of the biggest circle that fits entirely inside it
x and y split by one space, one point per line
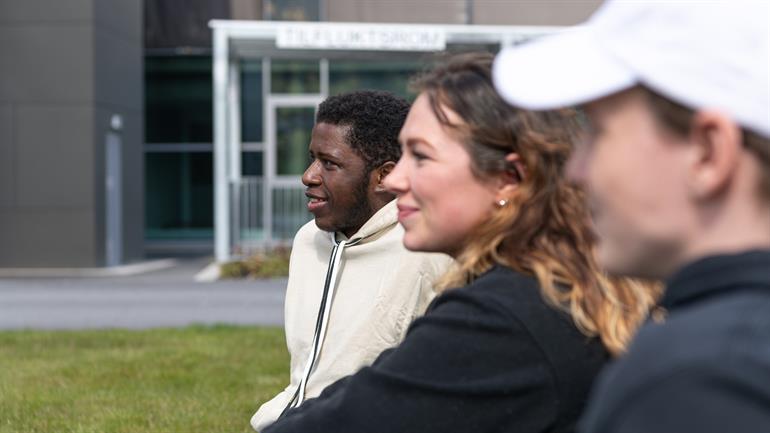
196 379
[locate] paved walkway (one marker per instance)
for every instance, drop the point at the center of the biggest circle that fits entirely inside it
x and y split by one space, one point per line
166 298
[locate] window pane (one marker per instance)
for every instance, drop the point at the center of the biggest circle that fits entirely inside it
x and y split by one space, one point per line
294 126
179 195
251 164
291 10
178 99
349 75
251 101
295 76
289 211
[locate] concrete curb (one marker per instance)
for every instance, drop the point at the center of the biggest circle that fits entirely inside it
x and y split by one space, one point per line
113 271
209 274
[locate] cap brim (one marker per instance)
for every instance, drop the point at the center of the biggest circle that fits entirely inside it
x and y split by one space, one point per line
560 70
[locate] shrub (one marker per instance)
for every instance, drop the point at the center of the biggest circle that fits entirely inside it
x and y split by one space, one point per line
270 264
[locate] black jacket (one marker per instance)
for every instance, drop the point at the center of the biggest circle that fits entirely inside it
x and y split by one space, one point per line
706 367
488 357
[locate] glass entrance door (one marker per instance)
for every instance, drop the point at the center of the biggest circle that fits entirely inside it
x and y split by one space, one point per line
269 207
290 122
272 207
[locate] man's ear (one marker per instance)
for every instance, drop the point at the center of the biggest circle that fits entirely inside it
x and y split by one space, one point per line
716 153
380 173
511 178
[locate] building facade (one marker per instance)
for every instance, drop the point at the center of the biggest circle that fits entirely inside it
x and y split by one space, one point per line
186 163
71 133
107 118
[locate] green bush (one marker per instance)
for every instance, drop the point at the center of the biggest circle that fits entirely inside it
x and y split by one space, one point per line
270 264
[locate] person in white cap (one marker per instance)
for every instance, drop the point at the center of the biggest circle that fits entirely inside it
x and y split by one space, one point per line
677 170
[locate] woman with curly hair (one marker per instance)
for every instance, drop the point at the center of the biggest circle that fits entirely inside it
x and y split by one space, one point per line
526 320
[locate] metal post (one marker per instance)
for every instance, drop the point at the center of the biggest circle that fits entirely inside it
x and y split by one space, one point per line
234 148
323 70
323 10
221 190
468 11
269 154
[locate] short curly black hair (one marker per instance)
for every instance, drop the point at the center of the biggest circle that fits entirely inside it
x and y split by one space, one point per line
373 117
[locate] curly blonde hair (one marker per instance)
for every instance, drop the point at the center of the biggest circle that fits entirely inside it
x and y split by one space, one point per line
545 229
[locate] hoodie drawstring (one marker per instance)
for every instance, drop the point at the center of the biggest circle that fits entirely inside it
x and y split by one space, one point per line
322 322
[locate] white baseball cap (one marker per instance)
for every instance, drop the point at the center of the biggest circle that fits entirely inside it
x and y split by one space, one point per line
702 54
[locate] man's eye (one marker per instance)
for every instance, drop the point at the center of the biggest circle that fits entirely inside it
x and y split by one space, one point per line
328 164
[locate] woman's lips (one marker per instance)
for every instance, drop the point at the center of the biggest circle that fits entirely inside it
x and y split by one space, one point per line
404 212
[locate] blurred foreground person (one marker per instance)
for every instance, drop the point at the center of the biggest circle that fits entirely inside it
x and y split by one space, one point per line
678 172
527 321
353 288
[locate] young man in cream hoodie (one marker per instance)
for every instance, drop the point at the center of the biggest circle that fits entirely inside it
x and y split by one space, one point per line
353 288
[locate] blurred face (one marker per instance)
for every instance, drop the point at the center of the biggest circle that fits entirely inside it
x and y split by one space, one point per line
634 174
440 202
337 182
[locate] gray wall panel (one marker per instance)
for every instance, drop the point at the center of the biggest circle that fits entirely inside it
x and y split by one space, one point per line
7 156
119 81
502 12
46 10
533 12
247 9
46 238
402 11
101 126
121 17
46 63
67 66
118 71
55 156
133 186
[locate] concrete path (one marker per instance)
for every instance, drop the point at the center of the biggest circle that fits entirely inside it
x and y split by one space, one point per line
166 298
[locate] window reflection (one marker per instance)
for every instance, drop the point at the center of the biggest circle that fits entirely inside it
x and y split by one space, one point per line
295 76
291 10
294 126
349 75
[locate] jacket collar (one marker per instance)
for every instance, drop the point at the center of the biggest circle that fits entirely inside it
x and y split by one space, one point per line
716 275
380 222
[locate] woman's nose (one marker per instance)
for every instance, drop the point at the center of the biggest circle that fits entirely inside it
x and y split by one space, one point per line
396 181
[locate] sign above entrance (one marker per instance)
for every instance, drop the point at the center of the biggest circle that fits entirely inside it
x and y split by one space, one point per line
354 37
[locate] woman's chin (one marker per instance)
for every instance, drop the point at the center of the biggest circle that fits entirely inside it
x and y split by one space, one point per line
421 244
413 243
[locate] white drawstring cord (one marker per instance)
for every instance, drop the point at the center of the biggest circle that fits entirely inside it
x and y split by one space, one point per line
314 354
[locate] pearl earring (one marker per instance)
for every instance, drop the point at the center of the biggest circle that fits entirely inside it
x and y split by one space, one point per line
502 203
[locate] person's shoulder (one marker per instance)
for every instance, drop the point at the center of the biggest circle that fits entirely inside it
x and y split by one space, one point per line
310 234
518 299
309 229
508 287
706 333
712 350
500 293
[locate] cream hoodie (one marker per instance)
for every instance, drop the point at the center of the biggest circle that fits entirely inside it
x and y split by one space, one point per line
380 288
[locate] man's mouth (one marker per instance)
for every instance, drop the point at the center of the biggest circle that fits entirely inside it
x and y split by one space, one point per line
315 203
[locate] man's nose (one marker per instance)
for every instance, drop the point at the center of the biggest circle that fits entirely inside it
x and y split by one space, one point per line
310 177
